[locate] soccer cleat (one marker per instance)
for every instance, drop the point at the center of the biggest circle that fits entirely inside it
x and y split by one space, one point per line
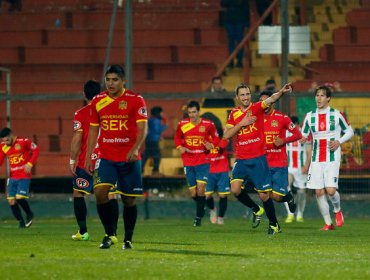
21 224
289 219
108 241
300 219
81 237
328 227
257 217
213 215
127 245
291 204
274 229
197 222
29 220
339 219
220 221
114 239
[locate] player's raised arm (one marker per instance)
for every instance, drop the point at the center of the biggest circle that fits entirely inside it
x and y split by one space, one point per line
277 95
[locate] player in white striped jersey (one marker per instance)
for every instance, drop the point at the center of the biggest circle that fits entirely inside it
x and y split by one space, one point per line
299 158
329 129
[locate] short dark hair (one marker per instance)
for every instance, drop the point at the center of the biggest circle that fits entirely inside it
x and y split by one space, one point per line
266 92
91 88
156 111
327 90
216 78
242 85
294 119
6 131
116 69
192 104
270 81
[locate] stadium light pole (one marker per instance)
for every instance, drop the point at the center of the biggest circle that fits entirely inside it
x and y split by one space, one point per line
8 107
284 104
128 44
7 95
110 39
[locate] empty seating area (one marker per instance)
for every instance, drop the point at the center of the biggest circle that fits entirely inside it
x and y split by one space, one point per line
53 47
347 59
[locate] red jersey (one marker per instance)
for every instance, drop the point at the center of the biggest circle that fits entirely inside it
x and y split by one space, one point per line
117 118
219 160
276 125
193 137
81 122
23 151
250 139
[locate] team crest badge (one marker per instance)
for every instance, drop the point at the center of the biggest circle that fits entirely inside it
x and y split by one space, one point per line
122 105
274 123
17 147
202 129
248 113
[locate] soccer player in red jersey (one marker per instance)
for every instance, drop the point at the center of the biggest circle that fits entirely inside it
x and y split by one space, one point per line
218 181
22 154
194 138
276 125
82 181
251 163
119 117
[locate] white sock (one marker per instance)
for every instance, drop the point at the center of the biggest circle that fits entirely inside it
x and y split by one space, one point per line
324 208
301 202
335 199
287 209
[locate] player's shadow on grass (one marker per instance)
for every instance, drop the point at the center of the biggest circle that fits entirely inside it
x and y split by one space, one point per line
198 253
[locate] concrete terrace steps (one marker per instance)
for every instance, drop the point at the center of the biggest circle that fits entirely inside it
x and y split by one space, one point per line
94 55
80 37
92 5
100 20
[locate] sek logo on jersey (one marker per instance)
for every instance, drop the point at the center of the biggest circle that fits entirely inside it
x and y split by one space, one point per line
16 159
114 125
76 125
196 142
142 112
82 183
247 129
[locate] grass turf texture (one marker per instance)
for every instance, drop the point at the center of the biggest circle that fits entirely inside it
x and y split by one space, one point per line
174 249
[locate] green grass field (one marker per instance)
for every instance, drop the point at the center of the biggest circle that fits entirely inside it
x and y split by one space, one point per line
173 249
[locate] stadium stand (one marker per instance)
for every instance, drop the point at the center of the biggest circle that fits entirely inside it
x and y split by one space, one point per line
53 47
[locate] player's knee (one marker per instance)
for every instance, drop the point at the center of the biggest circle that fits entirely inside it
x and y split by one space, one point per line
128 201
236 189
11 202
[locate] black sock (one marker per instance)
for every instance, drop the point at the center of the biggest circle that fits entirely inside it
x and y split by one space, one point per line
115 214
17 212
25 206
79 206
270 211
201 202
129 221
105 215
222 207
210 203
287 197
244 198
